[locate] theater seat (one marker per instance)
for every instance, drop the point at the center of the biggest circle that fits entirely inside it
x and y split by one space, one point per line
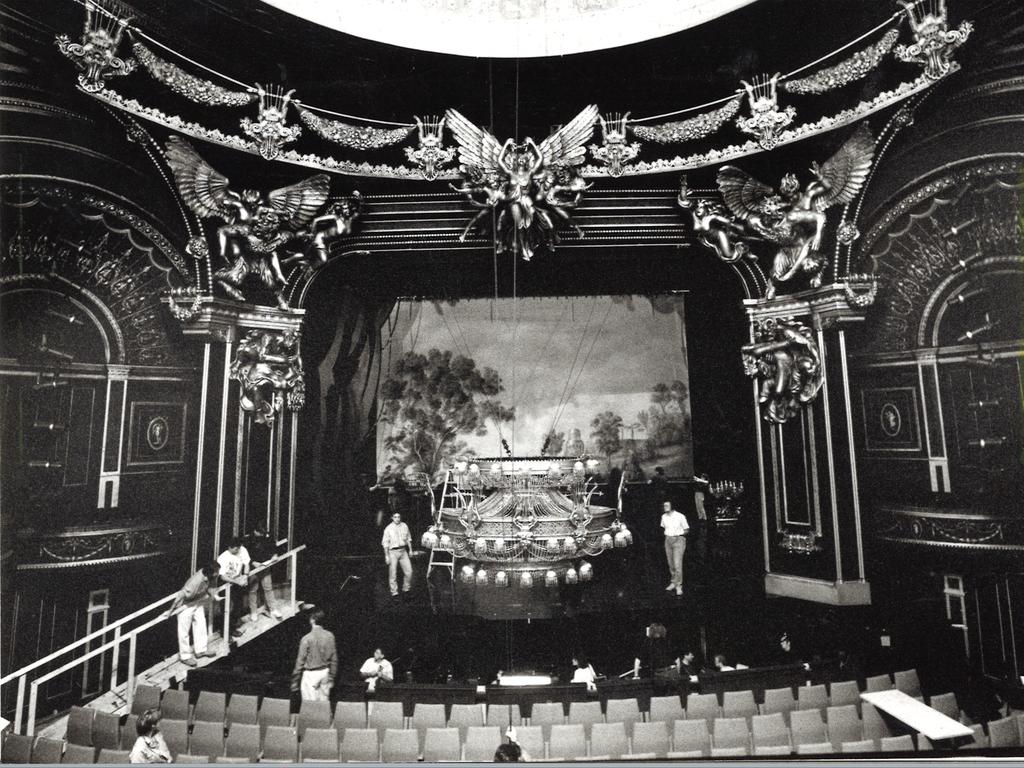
609 739
47 750
730 732
896 744
690 736
146 697
820 748
567 742
207 739
360 745
80 726
463 716
770 731
844 724
845 692
314 714
78 753
858 747
243 709
320 744
281 744
907 681
666 709
113 756
386 714
702 706
651 738
1004 733
807 727
779 700
128 732
625 711
274 712
768 751
738 704
244 741
211 707
811 697
946 704
442 745
17 748
878 683
730 751
531 739
585 713
106 731
174 705
547 714
400 746
175 733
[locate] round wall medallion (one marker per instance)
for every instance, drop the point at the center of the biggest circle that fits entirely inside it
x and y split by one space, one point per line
891 419
157 433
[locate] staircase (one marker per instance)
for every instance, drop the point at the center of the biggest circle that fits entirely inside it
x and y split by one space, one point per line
166 672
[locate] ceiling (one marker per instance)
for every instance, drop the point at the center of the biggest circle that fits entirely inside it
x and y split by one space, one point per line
509 28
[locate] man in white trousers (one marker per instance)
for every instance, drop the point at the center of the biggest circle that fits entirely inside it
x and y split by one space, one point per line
397 543
190 604
676 528
316 664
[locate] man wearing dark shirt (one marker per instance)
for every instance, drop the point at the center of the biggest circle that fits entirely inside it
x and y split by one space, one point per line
317 662
261 550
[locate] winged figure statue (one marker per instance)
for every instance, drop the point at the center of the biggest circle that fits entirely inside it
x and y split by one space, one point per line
257 225
528 188
793 218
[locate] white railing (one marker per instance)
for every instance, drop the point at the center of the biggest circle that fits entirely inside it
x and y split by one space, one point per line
120 636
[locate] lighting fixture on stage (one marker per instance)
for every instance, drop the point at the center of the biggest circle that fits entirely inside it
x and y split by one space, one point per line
531 519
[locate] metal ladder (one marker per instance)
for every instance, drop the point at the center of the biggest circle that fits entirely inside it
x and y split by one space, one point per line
441 557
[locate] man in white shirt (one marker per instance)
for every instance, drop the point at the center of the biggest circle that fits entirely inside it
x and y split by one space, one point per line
397 543
234 568
676 528
376 668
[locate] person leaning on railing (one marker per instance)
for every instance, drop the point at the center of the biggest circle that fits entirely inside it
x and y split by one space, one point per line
261 550
188 604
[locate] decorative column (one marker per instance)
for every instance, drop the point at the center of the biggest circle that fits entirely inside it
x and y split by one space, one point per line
247 436
813 541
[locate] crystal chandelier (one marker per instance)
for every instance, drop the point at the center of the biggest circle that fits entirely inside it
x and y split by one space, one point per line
526 521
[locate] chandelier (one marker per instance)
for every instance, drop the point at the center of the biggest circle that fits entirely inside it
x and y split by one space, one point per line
524 521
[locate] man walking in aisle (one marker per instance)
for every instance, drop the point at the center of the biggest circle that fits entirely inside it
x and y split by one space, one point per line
316 664
676 528
189 604
397 543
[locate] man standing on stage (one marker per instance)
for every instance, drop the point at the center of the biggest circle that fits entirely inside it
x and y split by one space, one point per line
234 569
261 550
317 662
192 616
676 528
376 668
397 544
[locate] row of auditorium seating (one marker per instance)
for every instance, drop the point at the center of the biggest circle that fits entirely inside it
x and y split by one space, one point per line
764 735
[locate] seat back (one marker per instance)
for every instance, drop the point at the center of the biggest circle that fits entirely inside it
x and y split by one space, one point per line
502 715
464 715
320 744
211 707
981 740
274 712
146 697
626 711
731 732
812 697
174 705
844 724
770 730
281 743
360 745
47 750
531 739
666 709
348 714
906 680
106 731
314 714
818 748
242 708
481 741
128 732
426 716
946 704
874 726
702 706
691 736
547 714
80 726
807 727
878 683
175 733
896 743
78 753
567 742
609 739
244 741
193 759
738 704
1004 733
442 745
400 746
778 700
845 692
730 751
651 738
386 714
772 750
586 713
114 756
17 748
862 746
207 739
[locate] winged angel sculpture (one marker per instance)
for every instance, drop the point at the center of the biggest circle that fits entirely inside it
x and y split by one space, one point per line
793 219
528 188
258 226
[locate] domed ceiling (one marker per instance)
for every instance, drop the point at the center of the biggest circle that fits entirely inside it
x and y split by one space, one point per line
509 28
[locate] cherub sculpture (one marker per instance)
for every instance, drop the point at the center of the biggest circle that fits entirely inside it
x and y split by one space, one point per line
786 359
269 368
336 221
258 225
714 227
794 218
523 186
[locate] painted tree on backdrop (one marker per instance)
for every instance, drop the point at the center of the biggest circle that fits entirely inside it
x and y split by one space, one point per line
430 400
606 429
666 419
